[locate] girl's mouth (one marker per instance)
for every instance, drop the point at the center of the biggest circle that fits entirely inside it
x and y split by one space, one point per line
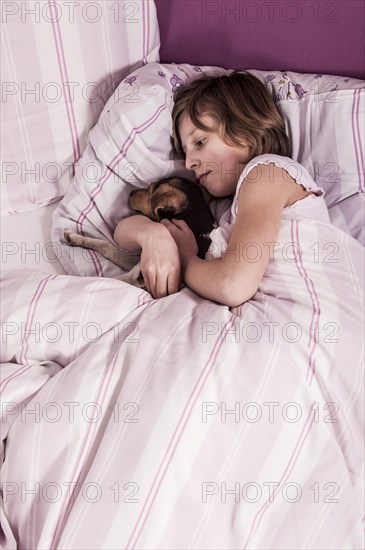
203 177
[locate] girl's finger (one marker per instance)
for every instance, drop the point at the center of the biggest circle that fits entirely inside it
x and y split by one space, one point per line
161 287
151 285
147 283
181 224
165 221
169 226
173 282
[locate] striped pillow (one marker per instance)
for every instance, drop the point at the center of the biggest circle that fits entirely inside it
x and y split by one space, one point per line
131 145
60 63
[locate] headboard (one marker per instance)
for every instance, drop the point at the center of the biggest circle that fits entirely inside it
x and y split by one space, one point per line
307 36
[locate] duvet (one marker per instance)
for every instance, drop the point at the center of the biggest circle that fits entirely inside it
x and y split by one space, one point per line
179 423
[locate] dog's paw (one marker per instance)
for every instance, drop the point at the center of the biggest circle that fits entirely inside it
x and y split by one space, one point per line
74 239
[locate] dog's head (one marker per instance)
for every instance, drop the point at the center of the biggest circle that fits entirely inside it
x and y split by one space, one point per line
167 198
177 197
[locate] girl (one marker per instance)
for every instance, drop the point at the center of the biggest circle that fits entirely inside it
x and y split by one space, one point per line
233 138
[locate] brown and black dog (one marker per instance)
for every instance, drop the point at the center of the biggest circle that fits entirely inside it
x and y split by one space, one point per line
166 198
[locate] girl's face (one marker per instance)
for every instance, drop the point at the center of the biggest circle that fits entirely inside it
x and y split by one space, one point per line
216 165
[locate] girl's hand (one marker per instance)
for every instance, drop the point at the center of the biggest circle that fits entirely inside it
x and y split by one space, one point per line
160 262
183 237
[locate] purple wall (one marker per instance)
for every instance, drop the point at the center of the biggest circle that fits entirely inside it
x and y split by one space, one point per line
306 36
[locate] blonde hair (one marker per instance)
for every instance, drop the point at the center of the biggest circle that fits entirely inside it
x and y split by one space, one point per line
243 106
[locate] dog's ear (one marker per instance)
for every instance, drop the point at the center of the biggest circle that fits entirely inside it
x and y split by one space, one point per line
153 182
140 201
152 186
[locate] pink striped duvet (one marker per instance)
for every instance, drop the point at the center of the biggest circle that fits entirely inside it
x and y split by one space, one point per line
178 423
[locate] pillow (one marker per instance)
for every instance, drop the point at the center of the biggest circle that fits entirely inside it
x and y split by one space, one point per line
60 63
131 145
349 215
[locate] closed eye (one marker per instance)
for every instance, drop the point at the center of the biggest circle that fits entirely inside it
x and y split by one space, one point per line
200 142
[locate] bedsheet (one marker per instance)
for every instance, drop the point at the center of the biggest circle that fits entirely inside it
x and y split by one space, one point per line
130 422
26 241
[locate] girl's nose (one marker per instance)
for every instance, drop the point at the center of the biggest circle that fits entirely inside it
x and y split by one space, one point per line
191 162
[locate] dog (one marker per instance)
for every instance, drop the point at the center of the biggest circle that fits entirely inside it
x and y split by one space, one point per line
166 198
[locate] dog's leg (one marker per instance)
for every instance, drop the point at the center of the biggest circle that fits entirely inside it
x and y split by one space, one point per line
105 248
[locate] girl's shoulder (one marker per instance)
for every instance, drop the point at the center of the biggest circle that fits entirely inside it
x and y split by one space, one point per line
295 170
298 172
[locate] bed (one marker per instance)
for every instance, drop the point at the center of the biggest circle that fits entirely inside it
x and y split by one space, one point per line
129 422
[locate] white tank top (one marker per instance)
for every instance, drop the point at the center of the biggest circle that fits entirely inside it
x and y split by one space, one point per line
311 206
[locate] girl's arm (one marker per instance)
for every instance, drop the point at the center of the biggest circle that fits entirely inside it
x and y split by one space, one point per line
234 278
160 260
